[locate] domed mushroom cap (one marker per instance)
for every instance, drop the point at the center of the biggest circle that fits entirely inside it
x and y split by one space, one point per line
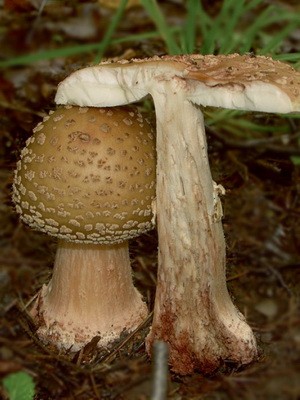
231 81
88 175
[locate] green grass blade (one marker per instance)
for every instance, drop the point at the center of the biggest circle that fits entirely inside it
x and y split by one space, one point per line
159 20
271 15
249 34
219 35
210 43
73 50
227 42
205 22
143 36
276 40
219 115
290 57
189 32
110 30
48 54
252 4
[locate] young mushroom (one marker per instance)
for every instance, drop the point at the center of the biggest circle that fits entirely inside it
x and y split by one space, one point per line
193 310
87 177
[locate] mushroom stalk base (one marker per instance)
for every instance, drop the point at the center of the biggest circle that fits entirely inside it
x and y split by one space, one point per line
91 293
193 311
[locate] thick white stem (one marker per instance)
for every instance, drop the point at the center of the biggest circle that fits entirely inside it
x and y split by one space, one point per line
91 293
193 311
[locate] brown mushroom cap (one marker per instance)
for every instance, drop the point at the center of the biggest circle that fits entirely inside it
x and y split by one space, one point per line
88 175
235 70
231 81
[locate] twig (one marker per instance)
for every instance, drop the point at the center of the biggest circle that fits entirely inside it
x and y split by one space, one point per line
237 276
37 20
160 371
94 386
108 357
30 301
26 323
280 279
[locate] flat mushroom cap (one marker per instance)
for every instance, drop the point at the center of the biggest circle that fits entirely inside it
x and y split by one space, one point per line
234 81
88 175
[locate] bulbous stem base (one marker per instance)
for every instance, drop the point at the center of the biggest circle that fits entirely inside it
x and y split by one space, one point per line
91 293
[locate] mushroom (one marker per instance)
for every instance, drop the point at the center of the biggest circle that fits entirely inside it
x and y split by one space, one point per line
193 310
87 177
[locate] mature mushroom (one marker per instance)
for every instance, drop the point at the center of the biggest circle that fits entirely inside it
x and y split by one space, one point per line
87 177
193 311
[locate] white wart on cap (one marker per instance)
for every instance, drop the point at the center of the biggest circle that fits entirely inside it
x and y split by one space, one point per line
88 175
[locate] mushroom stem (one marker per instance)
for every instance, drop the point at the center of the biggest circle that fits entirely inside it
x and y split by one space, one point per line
78 304
193 311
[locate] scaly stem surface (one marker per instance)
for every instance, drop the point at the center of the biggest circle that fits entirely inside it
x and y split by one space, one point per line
193 311
91 293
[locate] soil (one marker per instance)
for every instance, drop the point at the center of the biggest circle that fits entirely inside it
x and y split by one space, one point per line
261 223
